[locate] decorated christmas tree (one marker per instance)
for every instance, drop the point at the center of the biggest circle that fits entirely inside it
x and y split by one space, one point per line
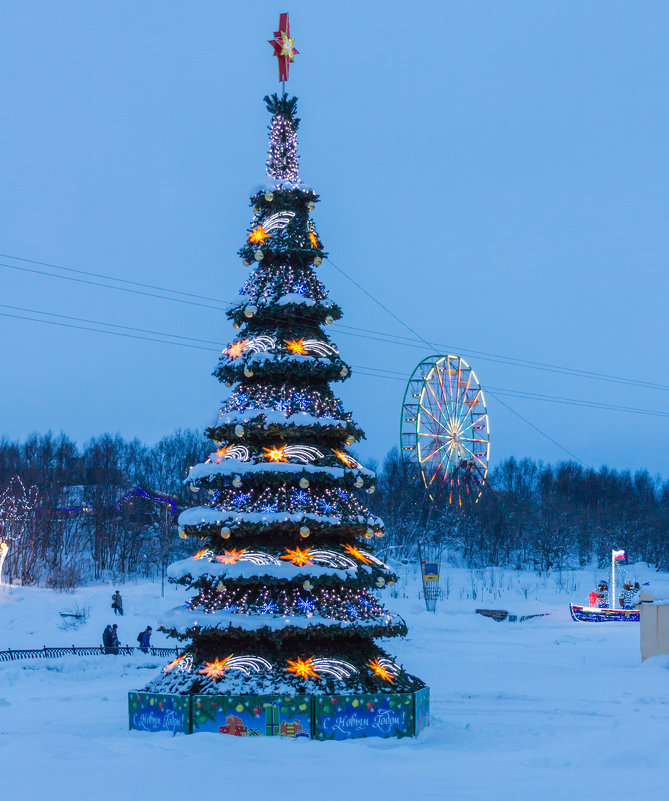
284 579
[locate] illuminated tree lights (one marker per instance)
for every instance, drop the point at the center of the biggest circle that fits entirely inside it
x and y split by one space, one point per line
278 477
342 604
282 159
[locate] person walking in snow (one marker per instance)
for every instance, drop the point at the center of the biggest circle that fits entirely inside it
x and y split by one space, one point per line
115 642
144 639
117 603
108 640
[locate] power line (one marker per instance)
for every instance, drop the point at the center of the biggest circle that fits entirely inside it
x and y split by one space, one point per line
109 286
392 314
372 372
363 333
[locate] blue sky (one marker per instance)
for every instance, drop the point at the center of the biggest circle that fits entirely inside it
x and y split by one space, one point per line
495 173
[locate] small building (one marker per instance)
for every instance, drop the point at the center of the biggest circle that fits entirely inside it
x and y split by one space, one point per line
654 628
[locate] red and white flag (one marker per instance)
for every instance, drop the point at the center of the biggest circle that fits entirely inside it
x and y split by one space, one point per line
618 555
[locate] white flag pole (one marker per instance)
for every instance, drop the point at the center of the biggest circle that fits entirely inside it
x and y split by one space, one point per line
612 596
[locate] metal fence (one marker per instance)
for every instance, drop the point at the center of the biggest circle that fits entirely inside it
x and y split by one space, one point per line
50 653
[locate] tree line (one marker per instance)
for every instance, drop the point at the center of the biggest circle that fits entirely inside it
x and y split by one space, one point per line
79 527
63 513
534 516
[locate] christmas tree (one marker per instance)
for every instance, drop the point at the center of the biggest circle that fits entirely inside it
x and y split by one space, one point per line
284 579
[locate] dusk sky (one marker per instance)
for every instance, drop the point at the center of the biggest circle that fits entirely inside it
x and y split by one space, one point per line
495 173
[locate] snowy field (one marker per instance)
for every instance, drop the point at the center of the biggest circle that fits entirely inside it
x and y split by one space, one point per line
544 709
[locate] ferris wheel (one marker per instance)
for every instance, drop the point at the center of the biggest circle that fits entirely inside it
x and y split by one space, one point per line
445 436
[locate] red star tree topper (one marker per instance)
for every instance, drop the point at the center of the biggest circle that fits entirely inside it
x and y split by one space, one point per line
284 47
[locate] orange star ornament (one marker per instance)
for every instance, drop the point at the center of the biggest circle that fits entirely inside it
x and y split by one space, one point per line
302 668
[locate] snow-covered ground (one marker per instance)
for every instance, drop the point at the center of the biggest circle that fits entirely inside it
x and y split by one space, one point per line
544 709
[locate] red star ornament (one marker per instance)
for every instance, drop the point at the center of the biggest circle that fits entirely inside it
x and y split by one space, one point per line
284 47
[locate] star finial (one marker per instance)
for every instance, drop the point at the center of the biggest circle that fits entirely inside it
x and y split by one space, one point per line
284 47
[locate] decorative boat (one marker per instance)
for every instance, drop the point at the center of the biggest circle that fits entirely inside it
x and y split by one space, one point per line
595 614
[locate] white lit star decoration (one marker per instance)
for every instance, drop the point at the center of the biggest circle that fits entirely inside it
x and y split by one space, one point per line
17 509
245 664
384 668
301 453
284 47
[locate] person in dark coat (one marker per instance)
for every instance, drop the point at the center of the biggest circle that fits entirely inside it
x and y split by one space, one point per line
117 603
144 639
108 640
115 642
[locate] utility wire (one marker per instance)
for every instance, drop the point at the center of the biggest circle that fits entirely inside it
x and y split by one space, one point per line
394 316
363 333
372 372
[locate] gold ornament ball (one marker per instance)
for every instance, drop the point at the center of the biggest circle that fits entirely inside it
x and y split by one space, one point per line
359 482
317 260
391 582
304 483
258 255
269 196
343 372
193 488
369 534
236 325
308 585
371 490
311 205
182 534
237 481
220 586
239 431
229 383
225 533
380 581
249 311
350 439
380 533
329 320
248 372
305 531
246 262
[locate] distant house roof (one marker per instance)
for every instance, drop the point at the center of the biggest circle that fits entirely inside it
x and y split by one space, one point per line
74 499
